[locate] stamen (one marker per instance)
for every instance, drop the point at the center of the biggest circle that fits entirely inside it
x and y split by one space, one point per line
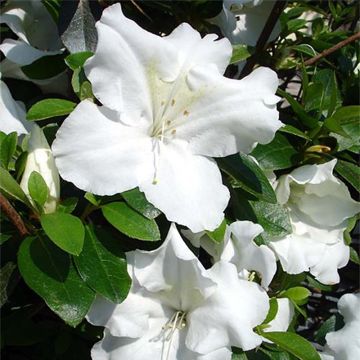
177 322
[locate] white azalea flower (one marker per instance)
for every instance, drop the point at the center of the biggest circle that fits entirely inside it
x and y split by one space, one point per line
242 21
239 248
40 159
344 344
178 310
319 206
38 37
13 113
167 110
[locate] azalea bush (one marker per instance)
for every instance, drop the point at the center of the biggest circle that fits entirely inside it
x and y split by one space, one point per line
179 180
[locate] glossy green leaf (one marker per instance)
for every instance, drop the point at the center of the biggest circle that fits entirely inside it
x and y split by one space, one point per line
67 205
350 172
278 154
65 230
247 175
81 34
11 188
44 68
130 222
306 119
137 200
38 189
294 131
7 149
294 344
218 234
102 265
348 118
297 293
274 307
49 108
49 272
326 326
274 218
76 60
240 53
354 256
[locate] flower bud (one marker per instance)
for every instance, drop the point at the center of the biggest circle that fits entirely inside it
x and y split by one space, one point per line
40 159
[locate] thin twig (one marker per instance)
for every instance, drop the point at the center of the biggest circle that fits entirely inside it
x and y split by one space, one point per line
334 48
276 11
13 216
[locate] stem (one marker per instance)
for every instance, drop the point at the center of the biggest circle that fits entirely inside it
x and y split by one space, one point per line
264 36
13 216
334 48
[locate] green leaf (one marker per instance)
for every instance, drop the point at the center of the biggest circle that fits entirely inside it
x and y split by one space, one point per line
67 205
327 326
93 199
293 343
274 218
102 265
297 294
314 97
354 256
248 176
49 108
306 119
86 91
274 307
77 60
49 272
334 124
11 188
330 98
350 172
240 53
65 230
278 154
130 222
348 118
137 200
218 234
44 68
5 275
38 189
81 34
294 131
7 149
304 49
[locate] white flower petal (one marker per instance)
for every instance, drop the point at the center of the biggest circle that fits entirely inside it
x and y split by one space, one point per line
122 75
245 254
229 315
344 344
149 347
175 271
41 160
228 115
283 317
22 53
13 115
194 50
99 154
131 317
187 188
335 256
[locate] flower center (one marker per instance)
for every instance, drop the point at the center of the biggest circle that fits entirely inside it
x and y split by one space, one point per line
177 322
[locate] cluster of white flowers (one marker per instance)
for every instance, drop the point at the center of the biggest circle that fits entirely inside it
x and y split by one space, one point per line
166 112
